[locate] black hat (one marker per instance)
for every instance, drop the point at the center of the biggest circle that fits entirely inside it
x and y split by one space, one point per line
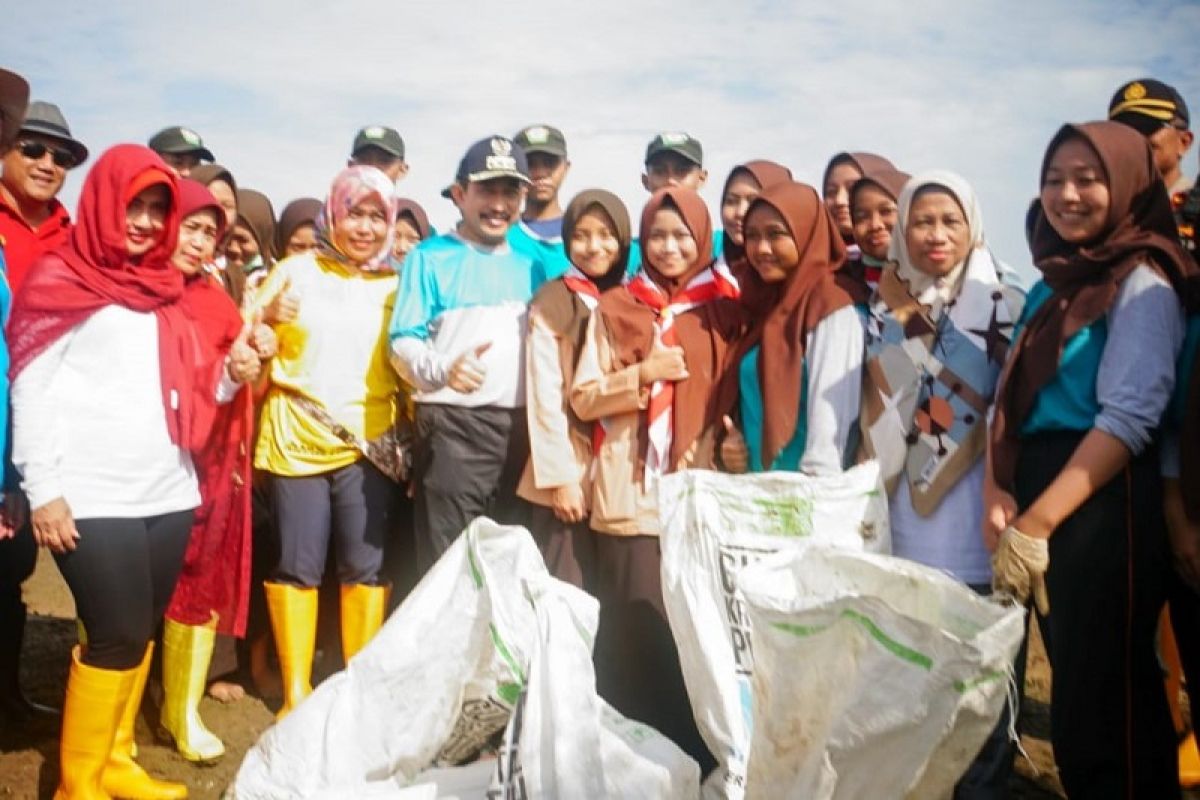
1148 105
386 139
542 139
178 139
14 95
679 143
45 119
493 157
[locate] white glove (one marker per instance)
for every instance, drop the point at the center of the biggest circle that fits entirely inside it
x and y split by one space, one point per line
1019 568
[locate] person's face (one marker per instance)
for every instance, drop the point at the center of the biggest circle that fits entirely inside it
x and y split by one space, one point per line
197 241
594 245
395 168
1075 194
242 247
837 195
874 216
1169 145
405 238
937 235
770 246
302 240
488 208
671 169
145 219
740 192
361 232
670 247
228 200
34 179
546 172
182 163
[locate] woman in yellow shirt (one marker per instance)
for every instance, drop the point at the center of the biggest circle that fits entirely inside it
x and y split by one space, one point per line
332 393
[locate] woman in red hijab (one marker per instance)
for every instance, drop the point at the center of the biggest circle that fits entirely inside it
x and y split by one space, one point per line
106 389
212 595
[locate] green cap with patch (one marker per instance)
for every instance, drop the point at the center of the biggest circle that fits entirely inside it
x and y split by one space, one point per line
386 139
178 139
676 142
542 139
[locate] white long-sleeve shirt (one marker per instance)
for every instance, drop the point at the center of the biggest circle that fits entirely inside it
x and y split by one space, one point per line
88 423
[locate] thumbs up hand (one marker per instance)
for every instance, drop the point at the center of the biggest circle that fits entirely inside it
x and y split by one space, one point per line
285 307
262 338
662 363
734 453
468 371
243 363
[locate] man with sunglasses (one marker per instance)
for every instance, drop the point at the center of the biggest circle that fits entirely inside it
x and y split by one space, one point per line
32 220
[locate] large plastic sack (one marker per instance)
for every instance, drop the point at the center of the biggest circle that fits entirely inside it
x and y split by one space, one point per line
437 682
713 526
488 641
564 741
874 676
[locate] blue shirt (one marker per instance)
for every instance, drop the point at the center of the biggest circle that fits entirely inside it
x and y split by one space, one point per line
751 406
453 296
541 240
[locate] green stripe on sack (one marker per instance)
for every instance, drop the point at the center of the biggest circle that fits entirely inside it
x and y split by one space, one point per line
502 649
904 652
476 574
962 687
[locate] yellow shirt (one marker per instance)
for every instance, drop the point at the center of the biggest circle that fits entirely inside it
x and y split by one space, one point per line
336 353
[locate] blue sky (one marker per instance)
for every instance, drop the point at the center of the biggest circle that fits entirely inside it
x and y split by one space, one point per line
278 91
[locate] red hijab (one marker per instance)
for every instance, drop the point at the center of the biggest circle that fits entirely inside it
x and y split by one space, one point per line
93 270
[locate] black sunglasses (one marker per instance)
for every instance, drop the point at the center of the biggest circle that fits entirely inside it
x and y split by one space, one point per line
35 150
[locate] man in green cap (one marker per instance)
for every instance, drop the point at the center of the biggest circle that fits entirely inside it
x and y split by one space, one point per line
538 233
380 147
182 149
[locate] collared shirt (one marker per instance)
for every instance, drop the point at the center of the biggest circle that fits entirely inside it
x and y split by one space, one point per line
23 244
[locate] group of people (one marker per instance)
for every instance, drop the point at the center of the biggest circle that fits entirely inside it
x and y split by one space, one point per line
207 401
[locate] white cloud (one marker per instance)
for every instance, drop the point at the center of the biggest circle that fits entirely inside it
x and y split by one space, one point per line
277 89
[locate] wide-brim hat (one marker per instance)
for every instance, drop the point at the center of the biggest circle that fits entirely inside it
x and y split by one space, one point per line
14 96
47 120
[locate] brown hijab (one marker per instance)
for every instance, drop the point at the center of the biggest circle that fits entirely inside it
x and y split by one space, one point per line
706 333
412 209
811 293
853 276
207 173
865 163
765 174
1085 280
558 305
301 211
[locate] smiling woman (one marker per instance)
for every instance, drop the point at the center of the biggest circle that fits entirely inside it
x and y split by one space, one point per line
332 402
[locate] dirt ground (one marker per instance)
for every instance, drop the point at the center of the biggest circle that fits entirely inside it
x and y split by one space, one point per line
29 758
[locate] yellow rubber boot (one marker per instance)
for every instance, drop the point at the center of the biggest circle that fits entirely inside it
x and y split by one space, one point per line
363 609
95 701
293 611
123 777
187 652
1189 763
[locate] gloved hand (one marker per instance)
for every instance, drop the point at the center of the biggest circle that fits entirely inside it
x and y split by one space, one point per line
1019 568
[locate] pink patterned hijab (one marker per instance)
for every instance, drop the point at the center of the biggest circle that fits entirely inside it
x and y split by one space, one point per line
352 186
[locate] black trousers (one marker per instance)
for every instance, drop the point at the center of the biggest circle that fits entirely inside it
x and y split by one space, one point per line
354 506
1110 725
467 464
122 573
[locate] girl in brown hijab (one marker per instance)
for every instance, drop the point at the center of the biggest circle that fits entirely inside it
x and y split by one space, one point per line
1073 499
297 228
412 228
249 253
840 175
557 478
745 182
873 213
798 373
654 353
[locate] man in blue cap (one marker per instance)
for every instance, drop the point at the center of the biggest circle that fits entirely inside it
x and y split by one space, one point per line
457 335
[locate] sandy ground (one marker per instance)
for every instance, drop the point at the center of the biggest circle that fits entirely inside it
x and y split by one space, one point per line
29 758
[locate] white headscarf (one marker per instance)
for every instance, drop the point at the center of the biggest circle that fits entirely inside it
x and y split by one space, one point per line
931 291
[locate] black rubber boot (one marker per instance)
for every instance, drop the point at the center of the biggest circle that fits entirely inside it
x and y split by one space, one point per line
15 708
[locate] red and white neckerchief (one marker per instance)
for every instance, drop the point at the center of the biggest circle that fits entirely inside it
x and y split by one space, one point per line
582 286
660 412
726 279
